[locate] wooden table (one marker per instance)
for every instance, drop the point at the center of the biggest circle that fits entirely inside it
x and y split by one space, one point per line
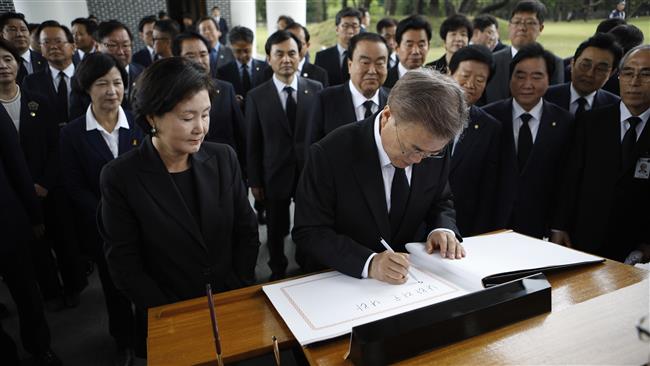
180 334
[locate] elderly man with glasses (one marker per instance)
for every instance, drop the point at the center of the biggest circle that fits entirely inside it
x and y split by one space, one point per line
383 177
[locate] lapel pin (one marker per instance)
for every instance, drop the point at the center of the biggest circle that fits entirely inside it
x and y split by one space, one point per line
304 75
221 56
218 91
476 126
33 106
553 124
134 142
257 68
306 91
32 114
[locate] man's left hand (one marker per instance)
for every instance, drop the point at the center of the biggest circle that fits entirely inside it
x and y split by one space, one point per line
449 246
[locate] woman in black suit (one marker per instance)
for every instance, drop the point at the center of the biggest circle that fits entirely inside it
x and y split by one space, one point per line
174 213
87 143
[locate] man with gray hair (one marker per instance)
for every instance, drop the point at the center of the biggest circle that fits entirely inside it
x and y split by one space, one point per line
383 177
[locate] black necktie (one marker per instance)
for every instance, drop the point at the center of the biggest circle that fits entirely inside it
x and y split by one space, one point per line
629 141
582 104
245 78
368 106
525 141
399 194
344 67
290 108
62 95
22 72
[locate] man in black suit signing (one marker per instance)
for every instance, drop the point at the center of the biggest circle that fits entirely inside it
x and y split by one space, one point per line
333 59
595 60
603 208
536 137
359 98
277 112
384 177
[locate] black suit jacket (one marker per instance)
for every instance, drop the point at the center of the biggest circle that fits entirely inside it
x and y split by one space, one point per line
41 83
602 205
142 57
230 73
227 120
38 138
330 60
221 58
474 172
341 206
439 65
334 108
19 207
156 252
560 95
392 77
526 199
276 153
39 63
223 28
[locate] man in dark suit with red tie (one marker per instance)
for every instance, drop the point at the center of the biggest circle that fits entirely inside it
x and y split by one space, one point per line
333 59
603 208
277 113
15 30
534 147
384 177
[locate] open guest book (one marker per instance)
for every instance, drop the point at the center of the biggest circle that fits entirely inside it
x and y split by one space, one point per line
330 304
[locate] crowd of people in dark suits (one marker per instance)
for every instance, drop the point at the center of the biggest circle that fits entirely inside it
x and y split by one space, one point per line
140 164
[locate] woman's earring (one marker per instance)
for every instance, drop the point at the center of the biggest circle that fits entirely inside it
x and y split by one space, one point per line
153 130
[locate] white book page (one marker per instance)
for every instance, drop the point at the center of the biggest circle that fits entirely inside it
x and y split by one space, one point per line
328 305
498 253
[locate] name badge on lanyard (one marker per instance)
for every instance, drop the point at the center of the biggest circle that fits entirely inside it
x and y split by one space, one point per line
642 169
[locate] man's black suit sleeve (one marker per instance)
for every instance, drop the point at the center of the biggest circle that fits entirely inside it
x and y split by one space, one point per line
315 128
254 145
315 219
119 228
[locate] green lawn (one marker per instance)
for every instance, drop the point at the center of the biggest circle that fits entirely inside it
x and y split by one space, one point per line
562 38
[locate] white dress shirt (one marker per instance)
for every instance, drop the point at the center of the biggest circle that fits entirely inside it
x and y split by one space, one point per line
573 106
625 125
533 124
279 86
513 51
401 70
358 99
112 139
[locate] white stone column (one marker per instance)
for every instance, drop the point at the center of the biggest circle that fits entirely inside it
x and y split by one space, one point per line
62 11
296 9
242 13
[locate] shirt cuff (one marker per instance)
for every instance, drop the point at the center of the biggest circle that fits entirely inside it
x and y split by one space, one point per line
364 273
441 229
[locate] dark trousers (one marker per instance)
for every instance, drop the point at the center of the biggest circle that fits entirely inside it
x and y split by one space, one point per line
18 273
277 224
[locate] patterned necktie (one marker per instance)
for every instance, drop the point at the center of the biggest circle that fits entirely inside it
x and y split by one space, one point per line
290 108
524 142
629 141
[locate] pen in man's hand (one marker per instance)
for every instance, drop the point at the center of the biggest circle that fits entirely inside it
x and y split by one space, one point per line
388 248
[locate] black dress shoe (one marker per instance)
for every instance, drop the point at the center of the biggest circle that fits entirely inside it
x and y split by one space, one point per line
47 358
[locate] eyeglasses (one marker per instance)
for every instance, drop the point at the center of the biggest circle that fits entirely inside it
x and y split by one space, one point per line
115 46
525 23
347 26
422 154
53 42
602 68
628 75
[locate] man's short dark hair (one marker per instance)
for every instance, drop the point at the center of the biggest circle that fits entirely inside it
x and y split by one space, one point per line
162 14
296 25
628 36
9 47
94 66
279 37
365 36
413 22
474 52
106 28
152 95
55 24
90 26
32 26
385 23
530 6
609 24
347 12
453 23
4 18
208 18
215 8
363 10
483 21
168 26
146 20
604 41
534 50
177 43
239 33
286 19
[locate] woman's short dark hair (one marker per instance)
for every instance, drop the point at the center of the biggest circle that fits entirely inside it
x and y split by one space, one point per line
9 47
453 23
94 66
166 83
474 52
534 50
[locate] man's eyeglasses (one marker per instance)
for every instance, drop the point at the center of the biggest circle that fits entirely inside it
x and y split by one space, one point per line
347 26
627 75
115 46
53 42
422 154
525 23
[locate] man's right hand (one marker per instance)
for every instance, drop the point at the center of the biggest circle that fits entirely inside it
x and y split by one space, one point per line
389 267
561 237
258 193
